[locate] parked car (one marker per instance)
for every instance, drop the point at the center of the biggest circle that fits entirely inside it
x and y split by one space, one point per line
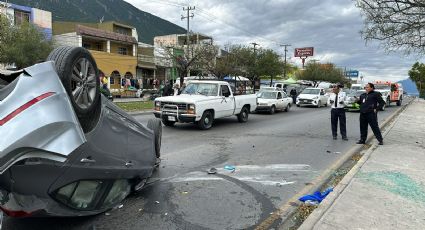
271 101
66 150
201 102
350 104
313 97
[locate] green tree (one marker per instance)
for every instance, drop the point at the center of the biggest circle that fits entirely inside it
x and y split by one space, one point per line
269 64
317 73
417 74
22 45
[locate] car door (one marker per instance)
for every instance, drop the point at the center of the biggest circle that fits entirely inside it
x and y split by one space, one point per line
323 97
285 99
226 103
279 101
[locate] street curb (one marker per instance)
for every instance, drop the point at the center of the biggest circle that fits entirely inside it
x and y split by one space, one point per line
324 206
286 210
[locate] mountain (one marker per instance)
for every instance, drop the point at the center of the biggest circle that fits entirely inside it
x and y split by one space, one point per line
409 86
148 26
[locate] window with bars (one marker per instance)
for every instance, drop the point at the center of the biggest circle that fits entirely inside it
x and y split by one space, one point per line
21 17
122 50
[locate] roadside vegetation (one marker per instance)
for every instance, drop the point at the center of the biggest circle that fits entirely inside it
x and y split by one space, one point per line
135 106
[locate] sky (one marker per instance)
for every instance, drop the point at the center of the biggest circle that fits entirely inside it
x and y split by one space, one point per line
332 27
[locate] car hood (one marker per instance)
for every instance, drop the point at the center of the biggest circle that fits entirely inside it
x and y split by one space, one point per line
307 96
185 98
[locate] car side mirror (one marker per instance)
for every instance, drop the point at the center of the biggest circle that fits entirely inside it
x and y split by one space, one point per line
226 94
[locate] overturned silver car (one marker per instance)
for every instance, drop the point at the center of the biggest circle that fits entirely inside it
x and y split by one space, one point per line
65 150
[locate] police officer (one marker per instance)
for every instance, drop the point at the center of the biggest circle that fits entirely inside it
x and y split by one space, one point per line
370 102
336 100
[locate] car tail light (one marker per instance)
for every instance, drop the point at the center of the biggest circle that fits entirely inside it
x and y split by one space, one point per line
16 213
25 106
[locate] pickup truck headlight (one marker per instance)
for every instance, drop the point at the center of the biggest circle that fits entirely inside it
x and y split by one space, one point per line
191 109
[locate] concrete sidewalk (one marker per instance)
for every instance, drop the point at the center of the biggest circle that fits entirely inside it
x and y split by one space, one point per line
386 189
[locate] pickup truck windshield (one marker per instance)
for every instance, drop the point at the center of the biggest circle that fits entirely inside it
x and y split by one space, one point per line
268 95
311 91
206 89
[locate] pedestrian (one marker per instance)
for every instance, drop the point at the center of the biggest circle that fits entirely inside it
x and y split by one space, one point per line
167 90
336 100
293 94
370 102
175 89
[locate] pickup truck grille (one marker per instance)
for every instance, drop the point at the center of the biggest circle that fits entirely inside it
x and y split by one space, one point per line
171 105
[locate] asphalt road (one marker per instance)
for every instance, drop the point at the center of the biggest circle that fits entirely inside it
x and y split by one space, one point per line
274 157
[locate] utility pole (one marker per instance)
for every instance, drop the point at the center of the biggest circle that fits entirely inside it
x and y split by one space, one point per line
284 67
188 16
255 56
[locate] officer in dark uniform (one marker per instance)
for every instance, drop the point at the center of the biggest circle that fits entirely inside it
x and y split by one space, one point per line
370 102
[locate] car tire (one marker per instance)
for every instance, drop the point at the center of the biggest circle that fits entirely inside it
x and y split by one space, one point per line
319 104
168 123
83 87
272 109
156 126
298 105
206 120
383 107
243 115
288 107
388 102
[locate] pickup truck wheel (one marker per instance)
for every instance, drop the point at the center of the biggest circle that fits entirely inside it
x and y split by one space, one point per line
288 107
243 115
272 109
319 104
156 126
79 75
168 123
206 120
388 102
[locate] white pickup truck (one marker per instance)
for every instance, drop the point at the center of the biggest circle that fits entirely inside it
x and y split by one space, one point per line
203 101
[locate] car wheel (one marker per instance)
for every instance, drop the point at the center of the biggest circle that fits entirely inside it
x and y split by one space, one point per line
319 104
298 105
388 102
79 75
287 108
206 120
272 109
383 107
168 123
243 115
156 126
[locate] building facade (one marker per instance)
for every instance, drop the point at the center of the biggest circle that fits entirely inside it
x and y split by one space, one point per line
113 46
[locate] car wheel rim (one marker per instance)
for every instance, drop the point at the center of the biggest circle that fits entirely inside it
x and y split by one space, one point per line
206 120
83 83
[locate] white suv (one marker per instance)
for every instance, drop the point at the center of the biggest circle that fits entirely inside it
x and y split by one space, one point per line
312 96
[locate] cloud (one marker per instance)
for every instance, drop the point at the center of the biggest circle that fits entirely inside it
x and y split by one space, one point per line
330 26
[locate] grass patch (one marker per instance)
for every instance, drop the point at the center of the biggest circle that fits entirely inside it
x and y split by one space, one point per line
135 105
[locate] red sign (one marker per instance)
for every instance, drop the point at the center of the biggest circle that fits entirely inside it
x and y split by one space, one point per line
304 52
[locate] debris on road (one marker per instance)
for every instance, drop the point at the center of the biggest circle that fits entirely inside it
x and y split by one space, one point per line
230 168
107 214
120 206
156 202
212 171
315 197
328 151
